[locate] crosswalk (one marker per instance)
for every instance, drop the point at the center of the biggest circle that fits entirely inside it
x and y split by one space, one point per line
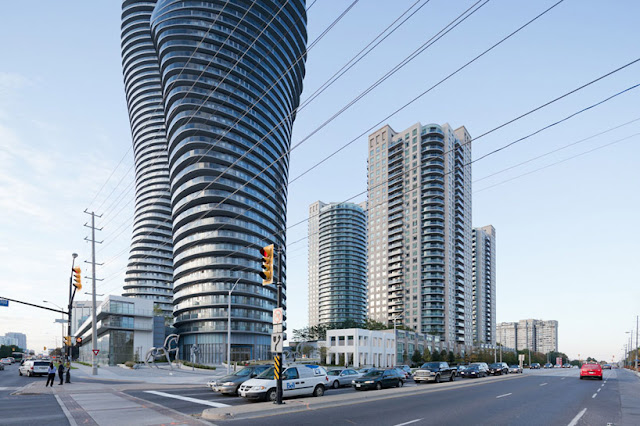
189 399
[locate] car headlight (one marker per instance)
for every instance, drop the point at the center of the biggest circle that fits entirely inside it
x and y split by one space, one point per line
261 388
228 384
353 382
369 382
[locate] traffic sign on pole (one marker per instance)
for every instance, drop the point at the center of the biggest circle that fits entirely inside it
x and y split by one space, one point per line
96 351
277 316
276 342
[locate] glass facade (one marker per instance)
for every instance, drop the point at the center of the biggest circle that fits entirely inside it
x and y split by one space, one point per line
150 268
231 75
342 263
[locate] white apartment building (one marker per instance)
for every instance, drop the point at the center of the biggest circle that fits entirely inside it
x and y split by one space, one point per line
360 347
537 335
547 336
507 334
484 285
419 230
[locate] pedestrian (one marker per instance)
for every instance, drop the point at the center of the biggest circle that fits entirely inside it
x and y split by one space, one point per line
67 367
61 373
51 374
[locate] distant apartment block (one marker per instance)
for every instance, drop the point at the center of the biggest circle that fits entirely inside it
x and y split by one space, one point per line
537 335
419 230
337 263
484 284
18 339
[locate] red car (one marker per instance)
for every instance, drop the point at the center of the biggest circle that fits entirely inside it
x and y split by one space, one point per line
591 370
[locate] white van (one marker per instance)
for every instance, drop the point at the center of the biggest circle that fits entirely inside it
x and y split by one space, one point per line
34 368
297 380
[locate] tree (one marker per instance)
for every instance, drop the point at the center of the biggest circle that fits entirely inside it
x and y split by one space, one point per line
426 355
435 356
443 355
416 357
323 354
307 350
451 357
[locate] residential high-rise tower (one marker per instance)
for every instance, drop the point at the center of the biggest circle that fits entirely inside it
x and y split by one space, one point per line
419 230
337 263
484 284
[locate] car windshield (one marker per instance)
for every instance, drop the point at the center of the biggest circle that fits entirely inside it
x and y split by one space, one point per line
334 372
472 367
495 365
266 375
373 373
41 363
430 365
514 366
244 372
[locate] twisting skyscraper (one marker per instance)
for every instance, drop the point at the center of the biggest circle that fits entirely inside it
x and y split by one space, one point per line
150 269
231 75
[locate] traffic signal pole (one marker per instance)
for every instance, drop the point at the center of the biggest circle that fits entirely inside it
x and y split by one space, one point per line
72 293
279 355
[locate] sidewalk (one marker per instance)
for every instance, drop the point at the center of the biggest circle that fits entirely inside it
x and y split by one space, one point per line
161 375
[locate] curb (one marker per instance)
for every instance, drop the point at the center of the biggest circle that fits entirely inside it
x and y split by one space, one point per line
264 409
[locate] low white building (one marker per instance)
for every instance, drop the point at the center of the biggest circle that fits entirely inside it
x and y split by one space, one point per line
124 328
359 347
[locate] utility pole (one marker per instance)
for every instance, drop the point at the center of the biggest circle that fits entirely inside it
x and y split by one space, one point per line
636 364
94 330
279 250
71 295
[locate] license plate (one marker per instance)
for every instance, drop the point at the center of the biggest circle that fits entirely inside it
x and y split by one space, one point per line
243 394
215 388
358 385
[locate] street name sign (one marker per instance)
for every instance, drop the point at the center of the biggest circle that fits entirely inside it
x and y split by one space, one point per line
4 302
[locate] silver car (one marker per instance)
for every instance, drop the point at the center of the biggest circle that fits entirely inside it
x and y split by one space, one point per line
229 384
342 377
515 369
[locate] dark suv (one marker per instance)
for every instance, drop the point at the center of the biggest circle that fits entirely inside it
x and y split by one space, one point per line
498 368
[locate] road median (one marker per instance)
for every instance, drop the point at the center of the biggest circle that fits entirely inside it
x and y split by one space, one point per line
262 409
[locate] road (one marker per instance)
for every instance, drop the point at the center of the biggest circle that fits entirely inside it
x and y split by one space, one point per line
26 409
542 397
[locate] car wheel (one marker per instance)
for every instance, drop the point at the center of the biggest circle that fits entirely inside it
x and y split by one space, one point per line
581 377
318 391
335 384
452 378
600 377
400 383
20 372
271 395
437 378
28 374
378 386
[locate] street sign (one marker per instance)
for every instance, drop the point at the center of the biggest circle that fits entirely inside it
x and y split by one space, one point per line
96 351
4 302
277 316
276 342
62 320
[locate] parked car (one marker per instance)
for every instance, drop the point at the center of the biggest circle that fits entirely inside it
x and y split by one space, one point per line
406 370
5 361
548 365
515 369
473 371
498 368
34 368
460 368
534 366
297 380
230 383
434 372
567 365
342 377
365 370
378 379
606 367
482 366
591 370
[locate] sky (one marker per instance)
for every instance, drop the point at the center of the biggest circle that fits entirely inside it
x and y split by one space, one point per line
566 222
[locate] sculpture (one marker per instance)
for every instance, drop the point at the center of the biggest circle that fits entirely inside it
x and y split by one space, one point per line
156 353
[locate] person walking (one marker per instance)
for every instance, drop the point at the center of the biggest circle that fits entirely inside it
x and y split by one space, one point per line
61 373
51 374
67 367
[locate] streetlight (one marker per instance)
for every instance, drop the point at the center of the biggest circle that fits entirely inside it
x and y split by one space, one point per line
399 315
61 324
229 327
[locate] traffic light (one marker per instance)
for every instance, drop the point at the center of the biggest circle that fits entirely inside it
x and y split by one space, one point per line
77 279
67 340
267 264
78 341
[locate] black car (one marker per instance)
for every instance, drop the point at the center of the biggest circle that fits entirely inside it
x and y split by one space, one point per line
472 371
378 379
498 368
535 366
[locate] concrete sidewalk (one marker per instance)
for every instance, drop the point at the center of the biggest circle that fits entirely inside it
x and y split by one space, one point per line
161 375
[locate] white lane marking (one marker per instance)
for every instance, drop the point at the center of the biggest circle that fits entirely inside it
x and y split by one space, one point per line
502 396
186 398
6 388
408 423
599 390
66 412
594 395
563 378
574 422
543 384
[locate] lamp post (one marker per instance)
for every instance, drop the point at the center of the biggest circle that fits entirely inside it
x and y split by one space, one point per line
61 323
394 319
229 327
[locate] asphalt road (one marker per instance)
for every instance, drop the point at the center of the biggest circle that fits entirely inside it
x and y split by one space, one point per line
27 409
542 397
